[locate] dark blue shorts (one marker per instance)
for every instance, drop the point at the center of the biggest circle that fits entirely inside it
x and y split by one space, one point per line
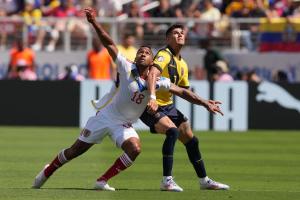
175 115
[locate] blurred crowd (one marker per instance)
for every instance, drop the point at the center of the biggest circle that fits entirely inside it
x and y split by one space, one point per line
217 11
52 18
99 65
206 9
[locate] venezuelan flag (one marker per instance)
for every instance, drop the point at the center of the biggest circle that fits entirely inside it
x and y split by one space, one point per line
279 34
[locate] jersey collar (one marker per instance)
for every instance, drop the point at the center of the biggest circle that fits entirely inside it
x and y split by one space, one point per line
173 52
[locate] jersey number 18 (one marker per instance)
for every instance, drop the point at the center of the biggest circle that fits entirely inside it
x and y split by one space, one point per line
137 97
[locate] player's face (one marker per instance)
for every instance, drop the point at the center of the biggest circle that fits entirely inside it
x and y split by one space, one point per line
144 57
176 37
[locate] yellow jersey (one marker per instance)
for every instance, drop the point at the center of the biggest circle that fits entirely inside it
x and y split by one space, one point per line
173 68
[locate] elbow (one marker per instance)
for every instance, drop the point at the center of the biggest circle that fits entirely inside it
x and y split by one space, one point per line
154 71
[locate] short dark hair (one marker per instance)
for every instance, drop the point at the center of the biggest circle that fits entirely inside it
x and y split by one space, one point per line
147 46
172 27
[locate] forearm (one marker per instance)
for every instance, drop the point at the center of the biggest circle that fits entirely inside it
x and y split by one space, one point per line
106 40
152 84
152 77
188 95
193 98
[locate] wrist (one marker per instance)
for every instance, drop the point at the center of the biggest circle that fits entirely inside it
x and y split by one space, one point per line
206 104
152 96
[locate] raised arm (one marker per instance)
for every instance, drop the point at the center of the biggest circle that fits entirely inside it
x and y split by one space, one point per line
190 96
151 80
106 40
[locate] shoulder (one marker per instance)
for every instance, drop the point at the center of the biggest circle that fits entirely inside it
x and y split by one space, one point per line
119 46
89 53
13 51
162 56
163 52
132 48
105 52
28 52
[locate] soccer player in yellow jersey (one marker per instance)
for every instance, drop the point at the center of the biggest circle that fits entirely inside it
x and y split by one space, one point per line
162 116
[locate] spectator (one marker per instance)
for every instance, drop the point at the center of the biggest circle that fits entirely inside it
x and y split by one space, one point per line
211 14
215 73
237 5
136 28
99 63
127 47
258 9
189 7
247 30
210 58
32 18
274 11
223 71
281 76
292 10
186 6
49 6
220 72
163 10
18 54
24 72
66 9
108 8
71 73
241 76
253 77
7 7
3 32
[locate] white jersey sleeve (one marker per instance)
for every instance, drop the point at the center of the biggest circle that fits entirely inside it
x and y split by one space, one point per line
123 65
163 84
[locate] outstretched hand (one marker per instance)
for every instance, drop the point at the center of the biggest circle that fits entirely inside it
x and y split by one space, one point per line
213 107
90 14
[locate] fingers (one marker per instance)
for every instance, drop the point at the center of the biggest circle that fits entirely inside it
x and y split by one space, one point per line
215 109
214 102
152 107
219 111
217 102
89 11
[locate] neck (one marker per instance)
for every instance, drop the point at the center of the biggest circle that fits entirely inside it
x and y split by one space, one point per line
143 71
126 46
175 50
